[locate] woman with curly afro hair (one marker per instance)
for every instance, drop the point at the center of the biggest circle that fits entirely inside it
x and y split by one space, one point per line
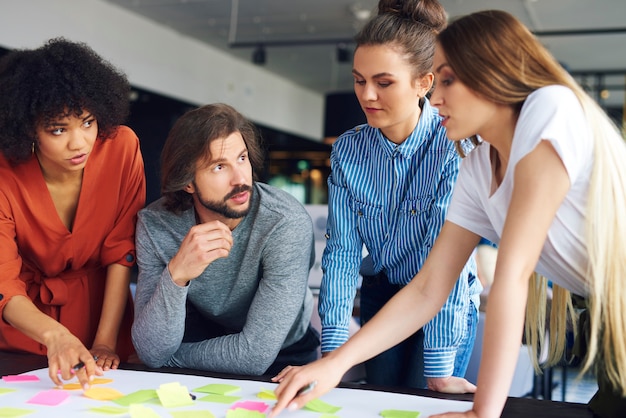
72 183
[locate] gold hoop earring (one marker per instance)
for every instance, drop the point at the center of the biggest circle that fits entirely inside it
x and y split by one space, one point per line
32 148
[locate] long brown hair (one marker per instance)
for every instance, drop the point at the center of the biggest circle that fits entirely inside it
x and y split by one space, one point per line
189 142
497 57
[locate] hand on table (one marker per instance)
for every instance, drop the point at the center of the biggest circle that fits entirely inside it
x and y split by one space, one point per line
450 384
105 357
467 414
65 351
291 379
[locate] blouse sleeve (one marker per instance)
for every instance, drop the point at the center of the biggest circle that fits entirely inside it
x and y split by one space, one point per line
119 244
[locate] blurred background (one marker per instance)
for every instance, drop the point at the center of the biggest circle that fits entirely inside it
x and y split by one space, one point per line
285 64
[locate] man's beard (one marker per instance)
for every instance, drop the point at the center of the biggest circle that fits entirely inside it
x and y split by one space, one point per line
221 207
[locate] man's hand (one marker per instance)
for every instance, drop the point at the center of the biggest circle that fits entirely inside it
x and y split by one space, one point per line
450 384
202 245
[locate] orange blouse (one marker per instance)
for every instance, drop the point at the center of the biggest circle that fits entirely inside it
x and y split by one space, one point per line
64 272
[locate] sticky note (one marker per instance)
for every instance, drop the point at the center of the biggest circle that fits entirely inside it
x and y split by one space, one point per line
243 413
140 411
141 396
317 405
251 406
266 394
192 414
108 410
218 389
397 413
21 378
103 394
212 397
14 412
49 397
78 386
173 394
6 390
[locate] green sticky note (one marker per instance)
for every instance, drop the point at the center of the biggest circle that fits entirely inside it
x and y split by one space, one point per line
140 411
14 412
266 394
141 396
6 390
218 389
243 413
317 405
211 397
192 414
173 395
397 413
109 410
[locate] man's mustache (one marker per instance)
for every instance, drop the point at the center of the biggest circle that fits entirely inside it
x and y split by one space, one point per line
237 190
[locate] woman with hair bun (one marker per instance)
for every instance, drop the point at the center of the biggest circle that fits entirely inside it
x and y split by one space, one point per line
72 184
548 185
389 189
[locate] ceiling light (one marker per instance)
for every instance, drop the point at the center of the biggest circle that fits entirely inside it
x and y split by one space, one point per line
359 12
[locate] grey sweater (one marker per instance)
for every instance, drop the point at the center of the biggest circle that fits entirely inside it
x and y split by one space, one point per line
259 292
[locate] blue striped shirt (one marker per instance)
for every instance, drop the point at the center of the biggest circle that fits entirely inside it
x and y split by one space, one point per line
392 199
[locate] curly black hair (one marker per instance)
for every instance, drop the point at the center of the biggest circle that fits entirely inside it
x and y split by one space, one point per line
60 78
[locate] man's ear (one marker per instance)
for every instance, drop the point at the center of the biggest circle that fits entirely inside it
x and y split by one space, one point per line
189 188
425 83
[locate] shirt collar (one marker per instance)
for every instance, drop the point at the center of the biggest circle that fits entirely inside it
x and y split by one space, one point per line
426 126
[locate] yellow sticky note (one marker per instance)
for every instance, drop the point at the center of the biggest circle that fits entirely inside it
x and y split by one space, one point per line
173 394
212 397
266 394
6 390
218 389
243 413
14 412
317 405
109 410
141 396
140 411
103 394
192 414
397 413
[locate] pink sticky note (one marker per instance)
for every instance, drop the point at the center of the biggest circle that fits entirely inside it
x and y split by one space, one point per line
251 406
21 378
49 397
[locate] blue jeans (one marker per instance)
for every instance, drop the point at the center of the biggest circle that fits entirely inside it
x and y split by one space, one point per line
403 365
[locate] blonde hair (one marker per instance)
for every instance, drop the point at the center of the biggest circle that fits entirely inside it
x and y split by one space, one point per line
496 56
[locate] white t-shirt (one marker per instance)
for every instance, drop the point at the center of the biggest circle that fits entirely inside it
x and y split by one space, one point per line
551 113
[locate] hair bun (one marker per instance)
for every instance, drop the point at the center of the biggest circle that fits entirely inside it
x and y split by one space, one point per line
426 12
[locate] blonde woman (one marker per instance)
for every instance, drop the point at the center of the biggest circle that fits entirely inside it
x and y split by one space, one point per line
547 185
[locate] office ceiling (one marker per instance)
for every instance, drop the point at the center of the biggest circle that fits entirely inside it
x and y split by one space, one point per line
301 37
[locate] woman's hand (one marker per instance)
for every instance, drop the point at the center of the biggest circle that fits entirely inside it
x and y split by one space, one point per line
467 414
450 384
105 357
68 357
291 379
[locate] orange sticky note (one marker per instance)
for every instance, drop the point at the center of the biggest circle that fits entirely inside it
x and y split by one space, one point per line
103 394
78 386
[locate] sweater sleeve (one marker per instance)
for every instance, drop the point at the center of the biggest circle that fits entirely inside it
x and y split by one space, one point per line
159 323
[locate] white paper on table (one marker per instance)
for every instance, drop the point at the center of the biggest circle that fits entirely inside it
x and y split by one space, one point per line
354 403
